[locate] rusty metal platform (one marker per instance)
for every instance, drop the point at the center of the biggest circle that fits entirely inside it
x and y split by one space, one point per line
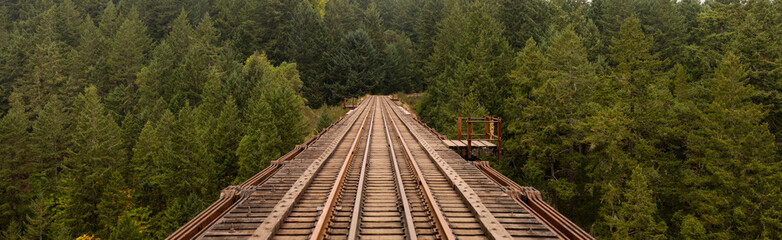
379 174
479 147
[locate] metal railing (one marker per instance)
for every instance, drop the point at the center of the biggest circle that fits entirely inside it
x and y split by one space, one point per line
350 103
490 124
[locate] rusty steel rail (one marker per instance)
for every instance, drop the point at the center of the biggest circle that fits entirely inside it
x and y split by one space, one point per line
488 222
531 199
428 192
354 219
441 222
409 222
232 195
283 208
228 197
319 232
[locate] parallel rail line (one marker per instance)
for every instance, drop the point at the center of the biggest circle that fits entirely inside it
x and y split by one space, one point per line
378 174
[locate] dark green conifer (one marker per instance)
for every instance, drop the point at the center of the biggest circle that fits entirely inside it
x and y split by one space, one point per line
258 147
354 67
97 151
470 59
50 138
731 165
14 168
127 49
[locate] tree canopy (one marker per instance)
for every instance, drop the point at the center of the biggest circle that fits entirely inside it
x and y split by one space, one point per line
637 119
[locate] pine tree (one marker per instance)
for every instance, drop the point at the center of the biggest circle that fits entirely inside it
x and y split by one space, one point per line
758 43
403 15
642 91
400 67
635 64
425 31
199 62
50 137
222 139
634 218
342 17
125 58
97 150
354 67
287 107
324 120
14 135
470 58
9 62
127 49
156 159
47 64
550 131
158 15
191 160
15 166
731 166
206 39
68 22
569 13
144 152
13 231
306 43
273 115
680 82
717 23
523 78
689 10
178 212
257 70
171 56
525 20
39 223
213 97
256 25
258 147
526 76
638 100
373 25
117 198
660 19
87 63
109 20
127 228
608 15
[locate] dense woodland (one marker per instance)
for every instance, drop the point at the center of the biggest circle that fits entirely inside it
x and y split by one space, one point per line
637 119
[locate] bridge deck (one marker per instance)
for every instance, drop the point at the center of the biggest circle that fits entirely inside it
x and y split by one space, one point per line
378 174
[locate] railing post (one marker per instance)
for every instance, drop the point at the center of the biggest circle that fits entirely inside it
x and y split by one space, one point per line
459 127
499 138
486 127
469 139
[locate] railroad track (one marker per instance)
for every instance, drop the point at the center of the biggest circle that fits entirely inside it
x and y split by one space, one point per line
376 174
343 201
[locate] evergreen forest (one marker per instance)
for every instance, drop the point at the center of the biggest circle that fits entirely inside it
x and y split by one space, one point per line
636 119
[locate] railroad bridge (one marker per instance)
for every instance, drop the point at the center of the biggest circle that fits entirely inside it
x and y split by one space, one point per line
378 173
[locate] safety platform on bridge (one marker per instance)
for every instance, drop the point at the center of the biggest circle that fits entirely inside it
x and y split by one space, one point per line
476 137
379 173
350 103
